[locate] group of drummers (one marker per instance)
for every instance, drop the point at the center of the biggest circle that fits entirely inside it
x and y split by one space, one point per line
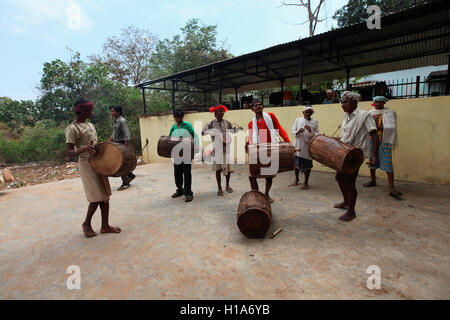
374 131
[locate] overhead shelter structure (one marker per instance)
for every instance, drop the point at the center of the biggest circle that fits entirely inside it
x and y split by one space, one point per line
413 38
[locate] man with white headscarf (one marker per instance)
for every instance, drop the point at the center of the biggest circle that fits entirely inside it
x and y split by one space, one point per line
303 130
331 97
357 127
386 121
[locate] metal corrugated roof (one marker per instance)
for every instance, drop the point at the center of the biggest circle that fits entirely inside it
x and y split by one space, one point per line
413 38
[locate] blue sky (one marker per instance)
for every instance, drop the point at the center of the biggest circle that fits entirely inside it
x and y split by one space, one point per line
38 31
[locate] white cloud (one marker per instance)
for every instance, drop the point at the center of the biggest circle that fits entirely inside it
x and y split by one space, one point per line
28 14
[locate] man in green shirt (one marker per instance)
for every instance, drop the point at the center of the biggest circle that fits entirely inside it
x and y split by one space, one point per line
182 167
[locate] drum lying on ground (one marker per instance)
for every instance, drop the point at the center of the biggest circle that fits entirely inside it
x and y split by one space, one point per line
254 214
336 154
167 144
113 159
285 156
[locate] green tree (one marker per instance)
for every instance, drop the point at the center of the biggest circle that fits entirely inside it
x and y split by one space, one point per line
197 45
355 11
63 83
17 113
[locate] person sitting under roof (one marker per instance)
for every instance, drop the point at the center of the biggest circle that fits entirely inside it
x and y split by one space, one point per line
331 97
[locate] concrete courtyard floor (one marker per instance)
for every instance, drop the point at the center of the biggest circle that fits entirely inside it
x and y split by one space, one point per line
170 249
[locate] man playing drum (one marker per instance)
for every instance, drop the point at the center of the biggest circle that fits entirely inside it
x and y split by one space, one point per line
183 165
357 126
219 129
303 130
121 134
81 137
264 128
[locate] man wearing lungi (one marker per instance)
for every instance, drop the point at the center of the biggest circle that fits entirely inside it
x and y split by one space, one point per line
183 165
264 128
81 137
303 130
386 121
357 127
121 134
219 129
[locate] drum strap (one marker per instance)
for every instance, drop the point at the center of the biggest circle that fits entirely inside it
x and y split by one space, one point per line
88 141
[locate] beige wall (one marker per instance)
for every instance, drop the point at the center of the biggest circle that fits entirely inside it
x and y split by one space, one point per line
423 153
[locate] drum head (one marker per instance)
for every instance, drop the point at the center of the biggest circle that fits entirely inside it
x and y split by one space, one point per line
254 223
108 159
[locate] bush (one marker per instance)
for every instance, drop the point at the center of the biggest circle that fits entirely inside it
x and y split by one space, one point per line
44 142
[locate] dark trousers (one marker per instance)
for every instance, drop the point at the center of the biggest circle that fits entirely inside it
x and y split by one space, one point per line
180 171
126 179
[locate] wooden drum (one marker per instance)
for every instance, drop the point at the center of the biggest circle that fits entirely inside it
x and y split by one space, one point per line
166 145
336 154
113 159
254 215
286 157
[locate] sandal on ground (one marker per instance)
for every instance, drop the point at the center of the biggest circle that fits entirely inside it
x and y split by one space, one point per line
189 198
177 194
369 184
395 193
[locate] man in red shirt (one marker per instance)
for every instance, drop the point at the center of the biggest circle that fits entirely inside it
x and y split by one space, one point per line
265 124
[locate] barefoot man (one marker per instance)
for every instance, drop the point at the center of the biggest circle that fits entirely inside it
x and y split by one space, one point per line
386 121
303 130
357 127
80 139
262 129
219 129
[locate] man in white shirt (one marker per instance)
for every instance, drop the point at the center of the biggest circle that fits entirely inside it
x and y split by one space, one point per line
357 127
303 130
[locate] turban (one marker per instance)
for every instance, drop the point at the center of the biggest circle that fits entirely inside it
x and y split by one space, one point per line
214 109
352 95
379 98
84 108
306 108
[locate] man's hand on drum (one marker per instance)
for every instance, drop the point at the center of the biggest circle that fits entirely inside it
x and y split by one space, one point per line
308 128
300 131
89 149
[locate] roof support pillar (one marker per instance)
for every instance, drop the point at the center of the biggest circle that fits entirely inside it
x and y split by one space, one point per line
348 78
447 84
220 86
236 95
143 99
282 91
300 79
173 95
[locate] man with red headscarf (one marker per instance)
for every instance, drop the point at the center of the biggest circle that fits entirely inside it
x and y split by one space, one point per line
80 139
220 129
